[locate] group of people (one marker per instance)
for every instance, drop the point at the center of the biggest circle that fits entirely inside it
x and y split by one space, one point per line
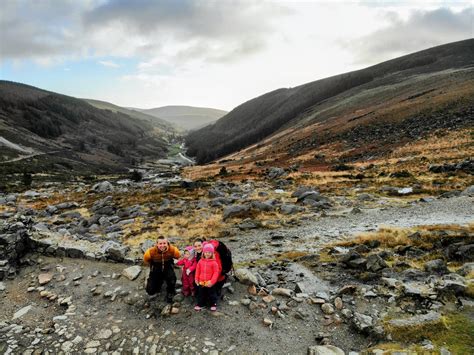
202 275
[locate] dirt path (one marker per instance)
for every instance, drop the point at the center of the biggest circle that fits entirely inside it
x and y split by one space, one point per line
312 234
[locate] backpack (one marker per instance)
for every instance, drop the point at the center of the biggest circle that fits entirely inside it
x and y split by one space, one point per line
226 257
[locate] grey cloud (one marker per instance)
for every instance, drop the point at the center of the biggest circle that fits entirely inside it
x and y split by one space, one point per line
38 29
422 30
207 19
210 30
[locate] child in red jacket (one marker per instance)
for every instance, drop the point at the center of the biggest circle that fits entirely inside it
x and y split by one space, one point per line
187 276
207 272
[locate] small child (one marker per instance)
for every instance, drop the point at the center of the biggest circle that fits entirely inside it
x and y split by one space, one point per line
189 266
207 272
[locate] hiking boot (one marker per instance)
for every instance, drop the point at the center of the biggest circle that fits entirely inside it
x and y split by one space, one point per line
169 298
197 308
214 308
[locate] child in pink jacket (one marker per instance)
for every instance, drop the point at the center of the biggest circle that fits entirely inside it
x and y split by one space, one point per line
189 266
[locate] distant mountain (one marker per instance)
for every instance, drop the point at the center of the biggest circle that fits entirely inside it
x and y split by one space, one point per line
156 121
186 117
43 131
364 113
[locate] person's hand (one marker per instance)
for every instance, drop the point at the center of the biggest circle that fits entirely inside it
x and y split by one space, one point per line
188 272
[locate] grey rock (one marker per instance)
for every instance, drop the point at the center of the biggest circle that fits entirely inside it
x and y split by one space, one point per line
282 292
289 209
466 269
469 191
301 190
325 350
115 251
375 263
40 227
274 173
20 313
132 272
436 266
236 211
102 187
262 206
31 194
327 308
362 322
431 318
104 334
246 277
450 286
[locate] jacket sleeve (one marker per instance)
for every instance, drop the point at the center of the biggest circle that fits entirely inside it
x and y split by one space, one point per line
215 274
180 262
193 265
175 252
147 257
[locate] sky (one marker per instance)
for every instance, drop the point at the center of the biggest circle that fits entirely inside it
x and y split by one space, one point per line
219 54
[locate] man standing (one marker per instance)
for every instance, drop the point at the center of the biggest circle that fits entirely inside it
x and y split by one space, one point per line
160 258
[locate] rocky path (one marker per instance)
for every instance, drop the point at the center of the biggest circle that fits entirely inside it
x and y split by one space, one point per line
310 235
63 305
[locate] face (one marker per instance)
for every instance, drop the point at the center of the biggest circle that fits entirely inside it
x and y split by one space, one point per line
187 254
162 244
198 247
207 254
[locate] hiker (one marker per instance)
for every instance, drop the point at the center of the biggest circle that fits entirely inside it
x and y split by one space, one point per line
189 263
223 257
160 258
207 272
197 245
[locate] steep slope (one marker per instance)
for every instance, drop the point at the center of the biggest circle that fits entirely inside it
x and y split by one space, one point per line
65 133
186 117
163 125
383 95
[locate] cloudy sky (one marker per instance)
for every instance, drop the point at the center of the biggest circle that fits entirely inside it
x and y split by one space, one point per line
150 53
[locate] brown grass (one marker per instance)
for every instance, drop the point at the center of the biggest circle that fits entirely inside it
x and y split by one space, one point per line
391 237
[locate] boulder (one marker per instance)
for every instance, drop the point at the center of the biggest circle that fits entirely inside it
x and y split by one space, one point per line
115 251
301 190
102 187
236 211
437 266
466 269
289 209
468 191
132 272
245 276
275 173
362 322
375 263
262 206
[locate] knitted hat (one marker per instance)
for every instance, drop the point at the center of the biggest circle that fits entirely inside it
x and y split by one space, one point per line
189 248
208 247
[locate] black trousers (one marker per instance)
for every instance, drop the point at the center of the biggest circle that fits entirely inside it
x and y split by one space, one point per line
158 276
207 296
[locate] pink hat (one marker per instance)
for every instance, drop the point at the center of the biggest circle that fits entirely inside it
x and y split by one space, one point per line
208 247
189 248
